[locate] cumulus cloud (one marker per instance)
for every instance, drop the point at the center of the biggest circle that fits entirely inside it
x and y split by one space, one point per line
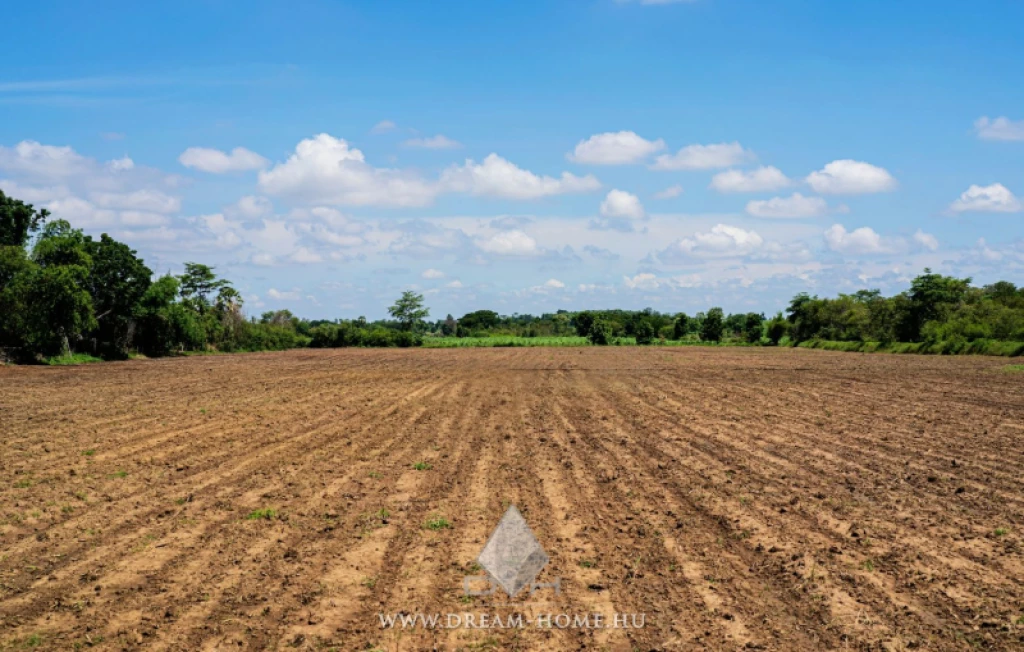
554 283
509 243
848 177
704 157
794 206
619 203
1001 128
498 177
996 198
433 142
926 240
432 273
215 161
859 241
722 241
670 192
46 161
614 148
763 179
327 170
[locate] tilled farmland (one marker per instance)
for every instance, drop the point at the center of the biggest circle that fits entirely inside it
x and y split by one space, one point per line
687 498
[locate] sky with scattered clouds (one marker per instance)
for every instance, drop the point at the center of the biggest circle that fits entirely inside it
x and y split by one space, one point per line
528 156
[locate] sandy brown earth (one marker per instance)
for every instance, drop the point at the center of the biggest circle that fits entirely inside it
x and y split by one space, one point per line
736 498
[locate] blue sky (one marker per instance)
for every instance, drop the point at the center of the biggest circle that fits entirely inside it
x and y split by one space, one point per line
528 156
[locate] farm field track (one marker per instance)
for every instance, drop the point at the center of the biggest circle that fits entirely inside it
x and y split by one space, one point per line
739 498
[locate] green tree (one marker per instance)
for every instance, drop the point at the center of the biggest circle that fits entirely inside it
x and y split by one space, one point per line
600 332
681 326
645 332
753 326
18 221
777 328
118 279
198 284
409 310
713 326
583 322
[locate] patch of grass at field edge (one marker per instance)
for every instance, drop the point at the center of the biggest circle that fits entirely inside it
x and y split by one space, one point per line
73 359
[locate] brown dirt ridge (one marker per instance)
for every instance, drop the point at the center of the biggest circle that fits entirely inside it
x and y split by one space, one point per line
771 499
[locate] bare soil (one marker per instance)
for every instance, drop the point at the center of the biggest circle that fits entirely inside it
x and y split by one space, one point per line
737 498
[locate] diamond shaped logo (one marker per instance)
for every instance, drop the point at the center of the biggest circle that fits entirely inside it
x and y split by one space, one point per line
512 557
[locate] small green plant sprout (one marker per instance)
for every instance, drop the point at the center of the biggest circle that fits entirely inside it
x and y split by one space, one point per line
265 514
23 484
587 563
89 452
1001 531
376 475
119 474
869 565
436 523
422 466
369 582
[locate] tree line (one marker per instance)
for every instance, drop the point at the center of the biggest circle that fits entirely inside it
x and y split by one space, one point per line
64 292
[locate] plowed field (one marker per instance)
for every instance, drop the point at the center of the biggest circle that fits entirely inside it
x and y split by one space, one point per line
735 498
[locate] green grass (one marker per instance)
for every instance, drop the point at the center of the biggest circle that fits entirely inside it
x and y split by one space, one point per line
1001 532
89 452
265 514
436 523
977 347
1014 367
73 359
119 474
422 466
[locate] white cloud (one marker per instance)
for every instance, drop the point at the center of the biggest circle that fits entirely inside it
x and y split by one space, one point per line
432 273
434 142
284 295
218 162
847 177
722 241
704 157
619 203
926 240
509 243
121 164
763 179
859 241
45 161
383 127
275 238
554 283
139 200
996 198
250 207
305 256
670 192
794 206
644 281
614 148
1001 128
454 284
498 177
327 170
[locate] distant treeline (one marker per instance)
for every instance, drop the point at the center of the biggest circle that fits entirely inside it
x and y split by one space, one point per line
63 293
